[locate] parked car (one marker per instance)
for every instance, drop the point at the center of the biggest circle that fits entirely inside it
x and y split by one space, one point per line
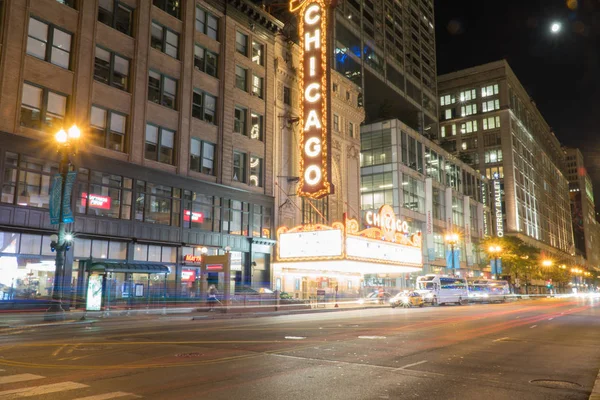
373 298
407 300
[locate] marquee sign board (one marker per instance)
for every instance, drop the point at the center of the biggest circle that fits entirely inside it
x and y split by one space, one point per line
315 160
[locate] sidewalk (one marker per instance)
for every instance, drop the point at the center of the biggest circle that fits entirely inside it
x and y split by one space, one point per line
37 319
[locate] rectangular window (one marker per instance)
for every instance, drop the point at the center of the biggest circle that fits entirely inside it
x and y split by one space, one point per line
160 144
108 129
448 114
204 106
336 122
490 105
70 3
162 90
202 156
258 53
49 43
287 96
491 123
256 126
468 95
376 148
103 194
26 181
115 14
447 100
207 23
206 61
239 167
256 167
351 129
165 40
443 131
241 43
493 156
468 127
490 90
157 204
257 86
42 109
111 69
239 121
469 109
240 77
172 7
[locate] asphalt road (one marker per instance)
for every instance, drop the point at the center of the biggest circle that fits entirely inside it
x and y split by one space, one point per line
494 351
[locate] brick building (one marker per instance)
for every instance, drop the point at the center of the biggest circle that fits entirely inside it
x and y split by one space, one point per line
176 103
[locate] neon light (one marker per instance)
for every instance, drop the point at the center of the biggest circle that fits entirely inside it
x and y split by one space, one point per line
96 201
192 258
314 136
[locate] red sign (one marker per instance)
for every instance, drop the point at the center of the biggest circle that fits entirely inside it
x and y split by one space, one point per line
214 267
188 275
194 216
96 201
192 258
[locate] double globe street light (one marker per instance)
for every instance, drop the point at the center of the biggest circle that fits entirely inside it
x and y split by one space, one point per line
67 144
452 240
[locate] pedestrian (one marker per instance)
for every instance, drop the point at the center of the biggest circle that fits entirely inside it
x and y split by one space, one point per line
380 295
212 297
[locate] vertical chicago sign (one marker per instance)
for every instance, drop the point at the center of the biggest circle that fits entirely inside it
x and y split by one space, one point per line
315 160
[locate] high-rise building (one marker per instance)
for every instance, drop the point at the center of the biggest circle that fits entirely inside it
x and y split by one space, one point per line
586 230
175 102
489 121
388 49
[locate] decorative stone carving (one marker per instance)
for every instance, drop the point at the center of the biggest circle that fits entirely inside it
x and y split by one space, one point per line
352 151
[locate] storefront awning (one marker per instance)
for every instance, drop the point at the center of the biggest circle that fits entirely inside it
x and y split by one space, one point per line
101 267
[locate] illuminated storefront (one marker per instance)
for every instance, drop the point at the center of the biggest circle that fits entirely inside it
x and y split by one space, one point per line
311 257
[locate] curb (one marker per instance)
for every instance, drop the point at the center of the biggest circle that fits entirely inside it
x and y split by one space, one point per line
595 395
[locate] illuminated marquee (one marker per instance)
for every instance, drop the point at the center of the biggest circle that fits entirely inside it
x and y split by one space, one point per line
314 76
386 220
343 242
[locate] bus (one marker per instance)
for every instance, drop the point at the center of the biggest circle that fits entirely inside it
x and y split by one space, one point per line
488 290
440 289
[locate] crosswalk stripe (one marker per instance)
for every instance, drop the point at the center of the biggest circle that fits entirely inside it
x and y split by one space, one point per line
39 390
18 378
107 396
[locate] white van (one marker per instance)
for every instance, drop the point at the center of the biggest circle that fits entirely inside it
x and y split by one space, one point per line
440 289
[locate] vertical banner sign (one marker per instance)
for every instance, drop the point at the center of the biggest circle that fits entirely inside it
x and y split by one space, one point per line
481 228
429 219
448 209
67 212
468 242
55 198
498 209
315 160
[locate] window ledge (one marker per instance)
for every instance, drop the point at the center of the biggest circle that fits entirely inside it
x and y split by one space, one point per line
162 166
202 176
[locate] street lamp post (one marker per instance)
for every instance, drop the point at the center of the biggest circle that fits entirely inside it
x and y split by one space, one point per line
60 243
452 240
495 251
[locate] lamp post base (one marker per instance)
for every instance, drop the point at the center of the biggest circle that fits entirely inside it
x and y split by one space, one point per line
55 313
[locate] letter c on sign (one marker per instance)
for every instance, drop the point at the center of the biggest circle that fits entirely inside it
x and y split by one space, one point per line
369 217
312 175
312 98
312 148
309 15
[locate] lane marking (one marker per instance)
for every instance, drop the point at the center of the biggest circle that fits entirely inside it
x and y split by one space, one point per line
18 378
501 339
57 351
107 396
413 364
40 390
295 337
550 319
372 337
532 326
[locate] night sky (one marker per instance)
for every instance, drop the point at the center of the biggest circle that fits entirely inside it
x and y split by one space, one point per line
560 71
